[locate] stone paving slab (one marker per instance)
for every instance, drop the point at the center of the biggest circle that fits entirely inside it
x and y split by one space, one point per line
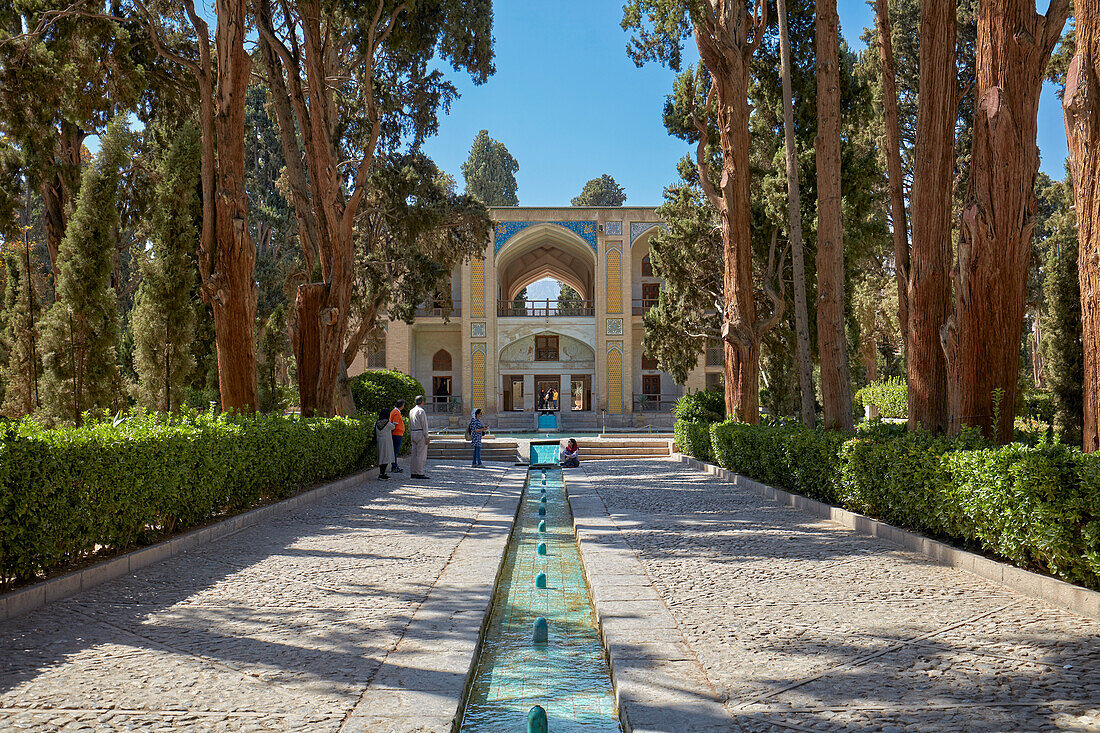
795 622
360 612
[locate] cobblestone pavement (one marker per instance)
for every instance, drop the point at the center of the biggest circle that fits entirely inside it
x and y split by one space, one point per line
802 624
281 626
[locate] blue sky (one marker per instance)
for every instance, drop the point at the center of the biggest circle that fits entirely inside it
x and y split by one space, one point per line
570 105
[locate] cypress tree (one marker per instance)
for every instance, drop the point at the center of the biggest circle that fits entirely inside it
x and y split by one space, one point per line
81 330
163 319
1061 323
274 345
21 369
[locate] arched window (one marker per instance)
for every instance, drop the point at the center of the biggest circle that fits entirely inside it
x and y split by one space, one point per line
647 267
441 362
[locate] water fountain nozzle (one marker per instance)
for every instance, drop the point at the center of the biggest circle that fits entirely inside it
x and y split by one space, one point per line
536 720
542 630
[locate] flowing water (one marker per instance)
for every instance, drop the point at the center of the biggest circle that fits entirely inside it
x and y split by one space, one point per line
568 675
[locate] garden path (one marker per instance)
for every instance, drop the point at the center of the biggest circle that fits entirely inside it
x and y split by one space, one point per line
798 623
359 612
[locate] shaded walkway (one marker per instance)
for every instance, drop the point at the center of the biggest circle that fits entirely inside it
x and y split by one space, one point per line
283 626
802 624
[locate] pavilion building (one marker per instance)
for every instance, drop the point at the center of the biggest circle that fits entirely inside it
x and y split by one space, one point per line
582 364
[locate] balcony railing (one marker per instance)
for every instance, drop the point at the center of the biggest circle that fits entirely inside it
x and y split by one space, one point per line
715 356
544 309
641 305
432 311
654 402
443 405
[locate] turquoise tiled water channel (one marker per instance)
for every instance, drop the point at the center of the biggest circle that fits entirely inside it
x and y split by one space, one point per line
568 675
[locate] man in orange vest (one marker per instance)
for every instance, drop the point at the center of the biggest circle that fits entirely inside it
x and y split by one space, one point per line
398 433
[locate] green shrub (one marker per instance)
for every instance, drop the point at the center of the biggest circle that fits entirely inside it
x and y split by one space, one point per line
111 485
891 396
382 388
1035 505
789 456
1035 404
706 405
693 439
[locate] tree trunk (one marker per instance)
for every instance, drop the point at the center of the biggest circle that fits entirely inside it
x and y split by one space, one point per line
832 341
307 344
60 189
894 175
982 338
234 260
794 207
740 311
1082 113
929 286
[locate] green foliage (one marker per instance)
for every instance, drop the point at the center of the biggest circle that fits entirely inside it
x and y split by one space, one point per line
569 298
705 405
1036 404
274 349
790 456
890 396
1062 350
693 438
382 388
81 330
602 191
110 485
490 172
1035 505
22 364
688 256
163 318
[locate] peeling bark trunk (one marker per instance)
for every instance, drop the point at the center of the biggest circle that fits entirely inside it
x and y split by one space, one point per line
234 290
307 344
794 208
1082 115
982 338
832 342
59 190
895 178
929 287
727 42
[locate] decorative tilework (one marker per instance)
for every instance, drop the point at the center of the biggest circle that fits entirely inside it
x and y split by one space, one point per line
477 376
477 288
477 330
638 228
614 279
505 230
613 229
614 327
614 377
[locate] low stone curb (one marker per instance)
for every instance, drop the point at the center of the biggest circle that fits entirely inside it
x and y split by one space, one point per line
659 683
1057 592
421 686
35 596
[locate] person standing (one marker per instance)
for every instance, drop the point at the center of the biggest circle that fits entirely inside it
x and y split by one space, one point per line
418 434
475 430
383 438
398 432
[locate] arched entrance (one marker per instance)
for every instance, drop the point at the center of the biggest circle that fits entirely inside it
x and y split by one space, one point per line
545 251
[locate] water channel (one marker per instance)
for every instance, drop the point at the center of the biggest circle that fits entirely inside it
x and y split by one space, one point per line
568 674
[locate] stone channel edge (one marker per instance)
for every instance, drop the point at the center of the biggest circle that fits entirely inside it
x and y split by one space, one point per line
659 683
1057 592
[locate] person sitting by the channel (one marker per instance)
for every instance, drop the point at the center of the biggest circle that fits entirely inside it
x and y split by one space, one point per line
570 455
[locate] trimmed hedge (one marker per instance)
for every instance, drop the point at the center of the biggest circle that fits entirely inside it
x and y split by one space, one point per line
1037 506
380 388
693 438
69 492
890 396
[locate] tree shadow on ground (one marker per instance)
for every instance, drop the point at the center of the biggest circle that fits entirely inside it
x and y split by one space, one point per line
297 611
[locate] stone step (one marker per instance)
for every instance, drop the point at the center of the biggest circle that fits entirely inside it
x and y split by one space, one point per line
624 453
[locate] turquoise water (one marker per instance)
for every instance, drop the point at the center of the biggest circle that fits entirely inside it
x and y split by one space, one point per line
569 674
544 453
